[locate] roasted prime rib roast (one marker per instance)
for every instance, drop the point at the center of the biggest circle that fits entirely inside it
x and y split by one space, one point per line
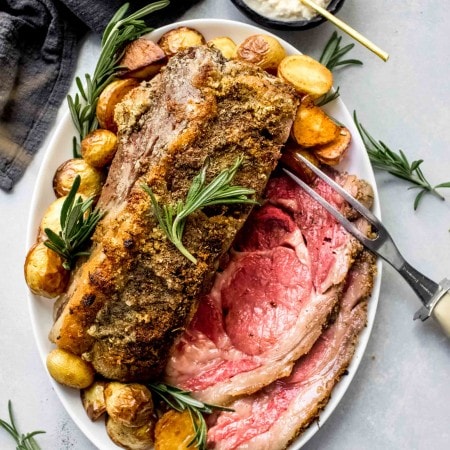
270 418
136 292
271 303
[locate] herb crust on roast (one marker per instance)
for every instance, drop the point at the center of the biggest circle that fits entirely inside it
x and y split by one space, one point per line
136 292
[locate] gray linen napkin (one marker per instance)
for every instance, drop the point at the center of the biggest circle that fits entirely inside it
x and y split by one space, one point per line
38 49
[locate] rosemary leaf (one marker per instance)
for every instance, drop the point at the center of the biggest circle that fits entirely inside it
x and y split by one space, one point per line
23 441
172 218
119 31
397 164
181 400
78 221
331 58
333 52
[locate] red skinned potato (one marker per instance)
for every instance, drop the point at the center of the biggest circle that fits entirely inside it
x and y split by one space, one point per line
142 59
263 50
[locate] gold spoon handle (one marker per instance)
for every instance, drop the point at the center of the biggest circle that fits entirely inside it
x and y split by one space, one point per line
347 29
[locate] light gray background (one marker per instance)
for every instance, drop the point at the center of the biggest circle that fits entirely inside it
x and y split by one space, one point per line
400 397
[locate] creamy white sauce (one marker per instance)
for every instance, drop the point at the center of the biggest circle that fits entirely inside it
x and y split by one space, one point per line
285 10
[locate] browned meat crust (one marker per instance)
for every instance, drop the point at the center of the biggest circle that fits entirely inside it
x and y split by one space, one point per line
136 292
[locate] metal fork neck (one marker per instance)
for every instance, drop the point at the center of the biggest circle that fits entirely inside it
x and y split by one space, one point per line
422 286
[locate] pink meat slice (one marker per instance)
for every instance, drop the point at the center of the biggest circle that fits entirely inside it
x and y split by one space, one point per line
270 304
330 247
272 417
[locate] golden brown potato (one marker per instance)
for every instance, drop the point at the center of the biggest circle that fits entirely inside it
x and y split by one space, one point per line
179 39
130 404
307 75
334 152
312 126
91 178
110 96
44 271
51 218
296 165
143 59
131 438
263 50
174 430
69 369
93 400
225 45
99 147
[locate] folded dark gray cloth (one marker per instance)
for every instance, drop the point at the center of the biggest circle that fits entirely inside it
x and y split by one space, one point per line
38 50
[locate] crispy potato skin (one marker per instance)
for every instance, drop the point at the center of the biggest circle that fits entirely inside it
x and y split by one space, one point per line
225 45
130 404
179 39
110 96
308 76
69 369
334 152
44 272
174 430
51 218
93 400
263 50
312 126
99 147
143 59
131 438
91 178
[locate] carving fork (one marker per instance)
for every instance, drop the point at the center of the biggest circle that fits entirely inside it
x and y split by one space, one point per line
434 296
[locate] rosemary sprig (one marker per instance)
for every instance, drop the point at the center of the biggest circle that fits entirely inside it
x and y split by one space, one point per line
181 400
23 441
332 58
172 218
78 221
397 164
119 31
333 53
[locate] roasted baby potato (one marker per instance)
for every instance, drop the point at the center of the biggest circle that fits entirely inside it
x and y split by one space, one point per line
130 404
312 126
333 152
99 147
44 271
225 45
131 438
69 369
143 59
91 178
110 96
179 39
263 50
93 400
174 430
306 75
51 218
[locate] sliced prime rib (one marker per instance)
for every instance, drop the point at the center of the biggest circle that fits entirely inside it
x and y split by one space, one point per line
271 302
271 418
136 292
